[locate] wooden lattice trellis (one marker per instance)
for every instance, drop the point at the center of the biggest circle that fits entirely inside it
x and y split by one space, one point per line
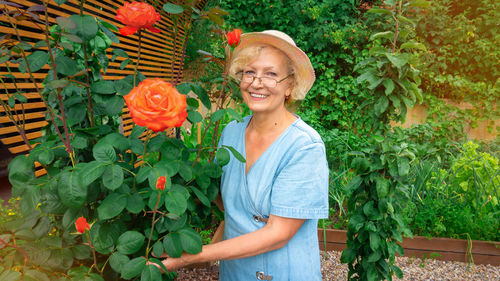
156 61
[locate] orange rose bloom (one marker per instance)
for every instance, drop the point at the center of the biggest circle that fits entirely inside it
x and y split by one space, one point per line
156 104
233 37
137 15
81 225
160 183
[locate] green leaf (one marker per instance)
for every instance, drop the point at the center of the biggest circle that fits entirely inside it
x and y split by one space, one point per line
124 64
151 273
21 98
234 114
81 251
371 272
399 60
193 103
403 166
36 61
65 23
103 87
374 241
186 171
375 256
222 156
137 131
72 37
389 86
403 19
130 242
381 105
216 116
86 26
356 222
172 244
117 261
104 153
212 170
12 102
46 156
71 192
90 172
175 202
379 11
235 153
420 4
133 268
184 88
135 203
10 275
110 34
202 94
194 116
55 84
203 198
382 185
348 255
60 2
29 200
386 34
158 249
172 8
66 65
35 275
112 177
190 241
117 140
120 53
111 206
397 271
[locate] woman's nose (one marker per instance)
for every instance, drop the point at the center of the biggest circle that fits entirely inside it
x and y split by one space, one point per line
257 82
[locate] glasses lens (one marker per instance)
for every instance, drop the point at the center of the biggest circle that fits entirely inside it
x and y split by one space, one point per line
268 82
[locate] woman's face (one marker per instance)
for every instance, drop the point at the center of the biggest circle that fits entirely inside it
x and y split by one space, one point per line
259 97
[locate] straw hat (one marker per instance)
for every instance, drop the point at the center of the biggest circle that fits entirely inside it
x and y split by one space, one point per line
281 41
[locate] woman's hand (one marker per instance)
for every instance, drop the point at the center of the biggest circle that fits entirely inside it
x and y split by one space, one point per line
170 263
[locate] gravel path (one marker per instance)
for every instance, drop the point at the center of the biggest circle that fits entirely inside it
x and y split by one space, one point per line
414 269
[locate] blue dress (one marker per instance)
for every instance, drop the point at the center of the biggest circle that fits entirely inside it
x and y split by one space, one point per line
290 179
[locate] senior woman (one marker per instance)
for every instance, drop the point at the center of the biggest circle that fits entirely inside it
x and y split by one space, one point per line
273 201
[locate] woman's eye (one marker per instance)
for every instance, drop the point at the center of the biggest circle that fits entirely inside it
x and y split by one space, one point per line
272 74
249 72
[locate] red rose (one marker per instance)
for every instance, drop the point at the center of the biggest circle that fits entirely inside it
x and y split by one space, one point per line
156 104
160 183
233 37
81 225
137 15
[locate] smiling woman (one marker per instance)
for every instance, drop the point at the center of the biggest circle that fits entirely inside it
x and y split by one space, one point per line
272 201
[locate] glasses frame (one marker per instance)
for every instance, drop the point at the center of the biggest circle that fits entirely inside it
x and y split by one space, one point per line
260 79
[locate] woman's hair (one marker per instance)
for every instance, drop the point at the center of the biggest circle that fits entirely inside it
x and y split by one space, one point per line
250 53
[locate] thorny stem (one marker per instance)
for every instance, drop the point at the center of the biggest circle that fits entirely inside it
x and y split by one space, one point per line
153 225
138 56
397 28
174 53
85 60
183 54
93 251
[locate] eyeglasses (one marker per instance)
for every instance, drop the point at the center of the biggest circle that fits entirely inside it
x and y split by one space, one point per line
268 82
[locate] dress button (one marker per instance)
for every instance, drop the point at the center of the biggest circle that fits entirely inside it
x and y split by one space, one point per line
261 276
256 218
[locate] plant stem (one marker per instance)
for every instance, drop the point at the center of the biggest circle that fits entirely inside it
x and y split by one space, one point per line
153 225
138 56
93 251
184 46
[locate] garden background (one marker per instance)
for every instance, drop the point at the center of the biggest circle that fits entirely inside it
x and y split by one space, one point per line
432 67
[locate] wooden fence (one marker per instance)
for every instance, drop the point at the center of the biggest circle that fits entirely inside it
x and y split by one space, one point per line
156 61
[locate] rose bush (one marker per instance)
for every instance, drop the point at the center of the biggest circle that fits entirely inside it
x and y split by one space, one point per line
156 104
142 193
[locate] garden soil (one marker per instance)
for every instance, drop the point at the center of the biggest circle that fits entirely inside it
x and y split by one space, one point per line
414 269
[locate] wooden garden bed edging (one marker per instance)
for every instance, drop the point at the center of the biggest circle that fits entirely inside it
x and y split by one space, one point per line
482 252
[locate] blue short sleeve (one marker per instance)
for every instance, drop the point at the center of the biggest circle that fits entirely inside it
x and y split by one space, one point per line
301 187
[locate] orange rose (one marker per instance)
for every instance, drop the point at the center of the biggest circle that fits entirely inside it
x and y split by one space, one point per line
81 225
137 15
160 183
156 104
233 37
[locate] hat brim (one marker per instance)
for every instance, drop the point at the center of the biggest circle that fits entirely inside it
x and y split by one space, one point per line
304 69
